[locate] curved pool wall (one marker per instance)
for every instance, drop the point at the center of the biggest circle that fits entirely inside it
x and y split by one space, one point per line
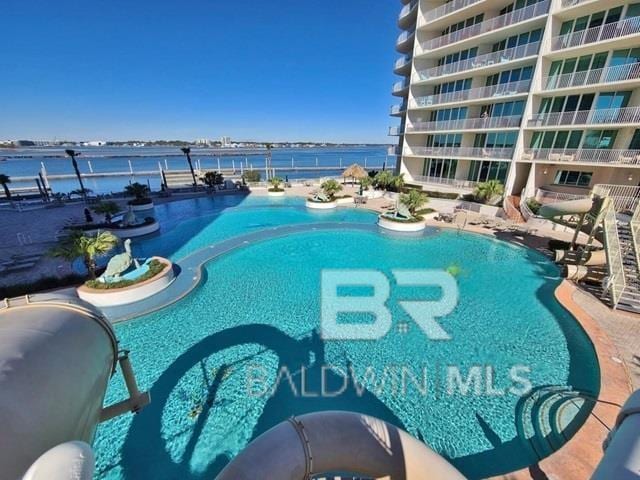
201 414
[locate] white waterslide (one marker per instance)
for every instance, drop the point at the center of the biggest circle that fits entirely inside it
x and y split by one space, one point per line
569 207
334 441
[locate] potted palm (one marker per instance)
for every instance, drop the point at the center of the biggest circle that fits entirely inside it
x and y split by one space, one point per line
325 198
489 192
87 247
141 201
407 214
275 190
213 179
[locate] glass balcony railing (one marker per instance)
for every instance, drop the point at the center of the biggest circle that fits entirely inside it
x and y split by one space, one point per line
493 91
447 8
478 123
404 37
399 86
571 3
598 156
619 73
464 152
511 18
606 31
395 131
481 61
397 109
402 61
608 116
407 9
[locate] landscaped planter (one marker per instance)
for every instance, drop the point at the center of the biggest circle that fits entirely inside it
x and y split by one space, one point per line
141 205
344 201
148 227
276 193
400 226
121 296
321 205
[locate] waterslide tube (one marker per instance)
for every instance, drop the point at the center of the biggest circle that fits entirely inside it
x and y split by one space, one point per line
622 455
335 441
56 357
68 461
570 207
593 258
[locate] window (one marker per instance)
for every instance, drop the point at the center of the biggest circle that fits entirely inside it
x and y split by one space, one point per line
455 86
597 19
439 167
635 141
463 24
482 171
449 114
557 140
612 100
522 39
573 178
506 109
495 140
569 103
458 56
444 140
509 76
599 139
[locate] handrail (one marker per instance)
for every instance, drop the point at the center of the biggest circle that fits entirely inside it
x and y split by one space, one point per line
454 152
476 123
547 196
500 90
616 282
618 73
404 36
587 117
585 155
445 181
513 17
395 109
625 197
480 61
401 85
634 225
606 31
447 8
407 9
402 61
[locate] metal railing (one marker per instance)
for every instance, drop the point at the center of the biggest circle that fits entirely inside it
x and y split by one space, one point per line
511 18
399 86
480 61
478 123
619 73
447 8
616 282
402 61
404 36
451 182
548 196
586 155
455 152
406 10
571 3
634 226
625 197
396 109
587 117
395 131
500 90
606 31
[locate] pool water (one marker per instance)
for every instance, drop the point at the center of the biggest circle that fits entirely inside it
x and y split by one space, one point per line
211 360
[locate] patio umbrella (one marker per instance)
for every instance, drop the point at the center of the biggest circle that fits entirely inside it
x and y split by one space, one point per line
355 171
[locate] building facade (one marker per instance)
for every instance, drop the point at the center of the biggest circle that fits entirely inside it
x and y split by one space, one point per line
541 95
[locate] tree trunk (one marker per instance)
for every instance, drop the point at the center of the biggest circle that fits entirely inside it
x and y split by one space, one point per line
75 167
7 192
90 263
193 175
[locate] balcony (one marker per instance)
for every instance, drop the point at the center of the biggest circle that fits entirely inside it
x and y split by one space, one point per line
478 123
394 150
395 131
447 8
572 3
449 182
398 109
461 152
494 92
481 61
402 63
619 73
508 19
545 196
399 88
408 13
590 156
606 31
608 116
405 41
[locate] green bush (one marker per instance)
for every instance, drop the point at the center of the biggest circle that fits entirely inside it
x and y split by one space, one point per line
251 176
533 205
155 267
442 195
107 207
40 285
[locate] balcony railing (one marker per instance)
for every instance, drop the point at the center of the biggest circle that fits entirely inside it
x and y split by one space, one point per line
486 60
404 36
606 31
406 10
587 155
395 131
493 91
447 8
394 150
399 86
478 123
606 116
548 196
457 152
625 197
451 182
397 109
571 3
619 73
511 18
402 61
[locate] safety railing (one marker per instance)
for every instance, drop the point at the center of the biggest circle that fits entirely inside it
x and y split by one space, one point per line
404 36
493 91
402 61
477 123
407 9
606 31
395 131
618 73
571 3
468 152
399 86
605 116
447 8
511 18
587 155
616 282
397 109
548 196
625 197
481 61
634 224
451 182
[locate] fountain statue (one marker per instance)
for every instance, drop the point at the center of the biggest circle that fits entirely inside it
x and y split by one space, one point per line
119 263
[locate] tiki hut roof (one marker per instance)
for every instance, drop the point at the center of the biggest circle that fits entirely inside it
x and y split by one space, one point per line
354 171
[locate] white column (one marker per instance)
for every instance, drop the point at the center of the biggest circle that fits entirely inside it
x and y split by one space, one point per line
90 166
130 167
218 163
43 170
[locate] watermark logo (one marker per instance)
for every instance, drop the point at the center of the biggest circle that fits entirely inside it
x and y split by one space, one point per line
424 313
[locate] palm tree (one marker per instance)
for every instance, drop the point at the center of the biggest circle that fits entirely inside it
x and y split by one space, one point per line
73 154
4 181
397 182
330 188
383 179
486 191
211 179
138 190
413 200
87 247
275 184
187 152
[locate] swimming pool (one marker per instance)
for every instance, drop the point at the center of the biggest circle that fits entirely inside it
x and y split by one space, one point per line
256 313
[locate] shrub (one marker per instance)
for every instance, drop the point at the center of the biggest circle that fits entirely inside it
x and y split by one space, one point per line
106 207
137 190
533 205
275 184
330 188
155 267
251 176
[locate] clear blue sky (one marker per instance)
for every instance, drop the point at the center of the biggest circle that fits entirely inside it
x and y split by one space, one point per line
265 70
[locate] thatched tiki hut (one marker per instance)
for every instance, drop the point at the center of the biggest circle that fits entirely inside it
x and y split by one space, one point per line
355 172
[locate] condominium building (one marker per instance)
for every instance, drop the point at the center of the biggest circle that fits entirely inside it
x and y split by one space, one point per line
541 95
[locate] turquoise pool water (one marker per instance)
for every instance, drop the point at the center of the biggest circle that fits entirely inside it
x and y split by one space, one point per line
256 313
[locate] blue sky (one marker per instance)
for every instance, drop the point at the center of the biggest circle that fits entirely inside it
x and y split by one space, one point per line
265 70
